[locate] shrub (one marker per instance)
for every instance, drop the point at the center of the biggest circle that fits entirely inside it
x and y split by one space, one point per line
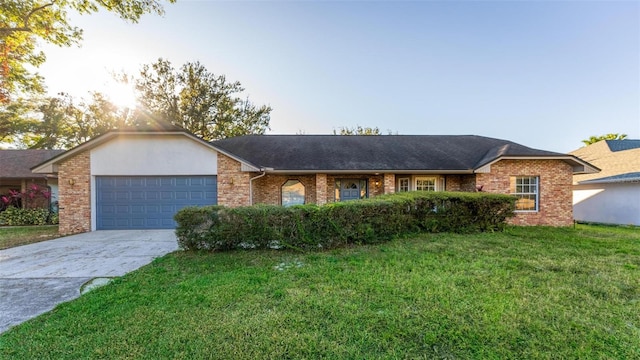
14 216
342 223
33 197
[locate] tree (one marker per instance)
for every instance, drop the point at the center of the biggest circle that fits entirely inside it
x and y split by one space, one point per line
63 123
357 130
199 101
16 117
24 21
595 139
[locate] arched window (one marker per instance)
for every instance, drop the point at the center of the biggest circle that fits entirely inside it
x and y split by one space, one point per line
292 193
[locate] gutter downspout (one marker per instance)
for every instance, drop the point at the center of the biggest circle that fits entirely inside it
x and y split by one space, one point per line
264 172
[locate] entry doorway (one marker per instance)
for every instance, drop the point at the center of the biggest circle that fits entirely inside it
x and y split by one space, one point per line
351 189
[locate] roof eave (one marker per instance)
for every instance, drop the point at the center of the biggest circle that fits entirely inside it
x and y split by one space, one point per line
579 166
370 171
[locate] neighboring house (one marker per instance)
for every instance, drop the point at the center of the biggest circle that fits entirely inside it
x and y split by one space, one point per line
613 195
138 178
16 175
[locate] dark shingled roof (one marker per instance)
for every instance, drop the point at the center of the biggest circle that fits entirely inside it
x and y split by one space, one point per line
384 152
17 164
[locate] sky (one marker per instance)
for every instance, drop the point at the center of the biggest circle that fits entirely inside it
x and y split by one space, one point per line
545 74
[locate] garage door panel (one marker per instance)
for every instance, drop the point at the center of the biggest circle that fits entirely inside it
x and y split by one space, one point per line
137 195
138 182
210 195
122 209
195 195
149 202
167 182
182 182
137 209
182 195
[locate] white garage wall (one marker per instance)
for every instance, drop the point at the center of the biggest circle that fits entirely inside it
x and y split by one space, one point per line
617 203
153 155
160 154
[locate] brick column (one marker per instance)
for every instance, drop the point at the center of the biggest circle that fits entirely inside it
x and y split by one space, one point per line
321 189
74 194
389 183
233 183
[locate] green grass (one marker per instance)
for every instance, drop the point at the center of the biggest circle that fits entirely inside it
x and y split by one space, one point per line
23 235
525 293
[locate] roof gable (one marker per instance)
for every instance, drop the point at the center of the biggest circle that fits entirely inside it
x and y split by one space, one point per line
613 157
160 129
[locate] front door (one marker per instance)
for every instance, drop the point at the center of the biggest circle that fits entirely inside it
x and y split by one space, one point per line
349 190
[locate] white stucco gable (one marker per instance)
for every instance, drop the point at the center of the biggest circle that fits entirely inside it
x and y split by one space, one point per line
139 155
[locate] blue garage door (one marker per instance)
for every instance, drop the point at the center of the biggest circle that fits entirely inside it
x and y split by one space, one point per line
149 202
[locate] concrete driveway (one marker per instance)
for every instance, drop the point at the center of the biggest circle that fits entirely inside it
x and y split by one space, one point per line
35 278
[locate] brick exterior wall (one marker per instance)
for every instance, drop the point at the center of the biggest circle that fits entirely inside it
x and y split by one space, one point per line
466 183
376 185
233 184
74 194
321 189
452 183
555 193
389 183
268 189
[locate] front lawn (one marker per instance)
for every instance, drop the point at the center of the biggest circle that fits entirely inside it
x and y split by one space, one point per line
22 235
524 293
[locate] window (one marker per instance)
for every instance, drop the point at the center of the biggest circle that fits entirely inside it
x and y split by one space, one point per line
292 193
525 188
403 184
426 184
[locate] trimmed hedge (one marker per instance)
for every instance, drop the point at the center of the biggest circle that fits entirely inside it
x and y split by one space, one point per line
337 224
14 216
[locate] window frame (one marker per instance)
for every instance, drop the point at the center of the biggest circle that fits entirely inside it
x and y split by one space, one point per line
282 193
400 187
434 179
524 194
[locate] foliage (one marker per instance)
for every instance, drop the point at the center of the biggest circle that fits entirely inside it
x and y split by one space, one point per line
62 122
66 123
33 197
28 207
204 104
595 139
526 293
199 101
342 223
14 216
17 118
357 130
22 22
